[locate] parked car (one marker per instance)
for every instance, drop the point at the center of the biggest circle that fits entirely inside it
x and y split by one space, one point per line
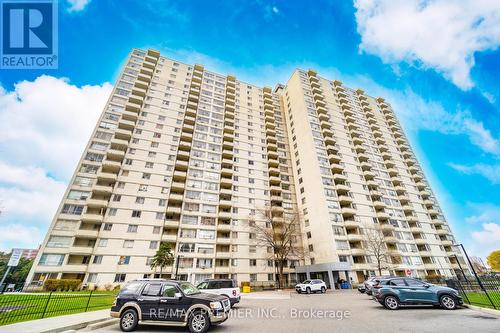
371 281
394 292
224 287
311 286
170 303
361 288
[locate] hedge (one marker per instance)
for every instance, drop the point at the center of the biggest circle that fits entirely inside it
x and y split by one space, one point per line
61 284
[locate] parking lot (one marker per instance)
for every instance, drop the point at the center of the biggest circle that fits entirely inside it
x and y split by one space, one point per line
337 311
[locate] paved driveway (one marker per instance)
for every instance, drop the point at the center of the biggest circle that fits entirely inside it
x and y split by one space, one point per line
339 311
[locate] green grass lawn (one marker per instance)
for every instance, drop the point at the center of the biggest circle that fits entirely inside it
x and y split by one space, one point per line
21 307
480 299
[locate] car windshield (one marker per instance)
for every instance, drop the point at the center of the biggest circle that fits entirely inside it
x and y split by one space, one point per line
306 282
188 289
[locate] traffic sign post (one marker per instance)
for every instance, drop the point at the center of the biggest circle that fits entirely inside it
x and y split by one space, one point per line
13 262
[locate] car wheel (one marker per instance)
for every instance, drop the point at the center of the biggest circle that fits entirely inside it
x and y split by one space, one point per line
308 290
447 302
323 290
199 322
129 320
391 302
298 292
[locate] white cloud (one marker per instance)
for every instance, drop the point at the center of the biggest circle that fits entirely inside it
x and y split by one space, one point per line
45 125
18 235
487 239
28 193
491 172
438 34
77 5
276 10
486 213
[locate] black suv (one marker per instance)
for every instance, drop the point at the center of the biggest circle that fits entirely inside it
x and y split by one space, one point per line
167 302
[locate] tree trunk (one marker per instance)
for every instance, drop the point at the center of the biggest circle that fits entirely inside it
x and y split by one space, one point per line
280 275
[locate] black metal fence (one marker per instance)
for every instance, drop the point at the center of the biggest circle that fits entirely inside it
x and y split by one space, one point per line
18 306
483 291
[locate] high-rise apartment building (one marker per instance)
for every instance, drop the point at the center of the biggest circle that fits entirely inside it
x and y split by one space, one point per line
187 156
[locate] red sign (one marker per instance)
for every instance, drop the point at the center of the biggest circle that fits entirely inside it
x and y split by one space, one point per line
408 272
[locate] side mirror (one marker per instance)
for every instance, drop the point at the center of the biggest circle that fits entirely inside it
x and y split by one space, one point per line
178 295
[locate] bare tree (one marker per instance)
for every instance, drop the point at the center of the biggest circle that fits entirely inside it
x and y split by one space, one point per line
375 246
281 234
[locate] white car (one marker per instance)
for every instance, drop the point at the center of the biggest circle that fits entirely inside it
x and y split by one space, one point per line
224 287
311 286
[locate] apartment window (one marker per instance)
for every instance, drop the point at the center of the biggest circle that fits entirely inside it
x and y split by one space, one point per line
156 230
72 209
153 245
128 244
253 262
51 259
108 226
132 228
120 278
136 213
112 211
92 278
59 241
97 260
139 200
103 242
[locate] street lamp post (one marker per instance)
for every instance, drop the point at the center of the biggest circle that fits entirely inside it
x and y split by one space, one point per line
177 266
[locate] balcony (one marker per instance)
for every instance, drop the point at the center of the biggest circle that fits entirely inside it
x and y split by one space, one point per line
357 252
355 237
350 224
81 250
102 189
379 204
173 210
348 211
106 176
97 203
181 165
111 165
382 216
179 175
124 134
345 199
341 188
115 154
92 217
337 168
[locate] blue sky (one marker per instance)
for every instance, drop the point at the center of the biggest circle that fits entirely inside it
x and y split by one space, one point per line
436 62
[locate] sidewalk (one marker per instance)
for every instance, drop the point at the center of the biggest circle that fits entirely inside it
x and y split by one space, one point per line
57 324
268 294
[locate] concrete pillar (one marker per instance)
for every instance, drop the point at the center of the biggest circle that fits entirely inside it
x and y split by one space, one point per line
308 275
330 278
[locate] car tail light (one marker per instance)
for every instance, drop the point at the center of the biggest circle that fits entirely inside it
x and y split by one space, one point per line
234 292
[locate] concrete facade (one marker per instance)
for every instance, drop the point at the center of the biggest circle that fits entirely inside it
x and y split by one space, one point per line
187 156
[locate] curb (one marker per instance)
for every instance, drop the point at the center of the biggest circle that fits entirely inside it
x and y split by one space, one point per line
74 327
103 323
485 310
